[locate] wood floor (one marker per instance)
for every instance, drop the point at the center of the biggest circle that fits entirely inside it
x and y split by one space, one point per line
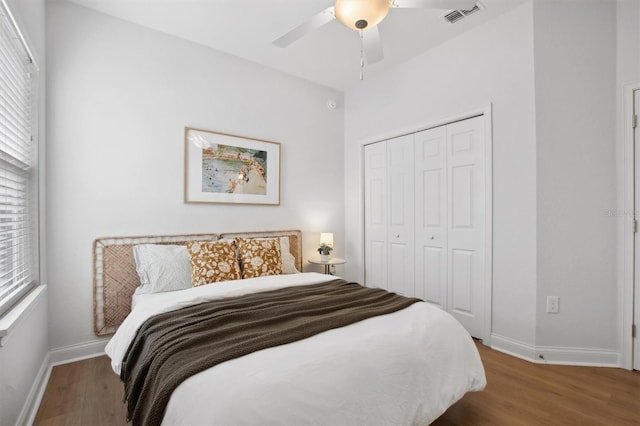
518 393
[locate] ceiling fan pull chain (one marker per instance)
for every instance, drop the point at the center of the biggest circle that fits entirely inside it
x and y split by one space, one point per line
361 56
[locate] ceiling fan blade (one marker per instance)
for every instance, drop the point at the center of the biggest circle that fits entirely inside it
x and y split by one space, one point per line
318 20
435 4
372 45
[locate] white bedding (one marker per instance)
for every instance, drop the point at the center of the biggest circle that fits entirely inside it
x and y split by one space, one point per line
402 368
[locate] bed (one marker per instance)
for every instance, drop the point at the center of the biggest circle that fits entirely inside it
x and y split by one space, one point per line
403 367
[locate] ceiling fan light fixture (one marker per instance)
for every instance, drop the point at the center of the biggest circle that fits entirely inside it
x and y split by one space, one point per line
361 14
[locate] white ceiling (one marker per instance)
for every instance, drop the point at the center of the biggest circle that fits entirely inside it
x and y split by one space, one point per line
329 56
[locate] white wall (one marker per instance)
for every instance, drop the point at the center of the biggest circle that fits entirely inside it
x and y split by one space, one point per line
25 349
489 64
628 75
575 77
628 42
119 98
549 69
24 363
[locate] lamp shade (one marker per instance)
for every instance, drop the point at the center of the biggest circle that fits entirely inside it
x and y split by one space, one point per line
361 14
326 238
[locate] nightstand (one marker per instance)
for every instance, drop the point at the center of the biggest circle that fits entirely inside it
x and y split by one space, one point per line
327 265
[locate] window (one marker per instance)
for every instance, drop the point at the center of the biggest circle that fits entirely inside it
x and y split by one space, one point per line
18 164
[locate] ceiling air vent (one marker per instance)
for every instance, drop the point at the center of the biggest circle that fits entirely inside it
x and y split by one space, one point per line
454 16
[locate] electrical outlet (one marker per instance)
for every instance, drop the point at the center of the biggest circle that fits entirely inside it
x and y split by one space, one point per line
553 304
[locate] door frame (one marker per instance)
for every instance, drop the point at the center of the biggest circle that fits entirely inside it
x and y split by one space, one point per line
625 228
486 112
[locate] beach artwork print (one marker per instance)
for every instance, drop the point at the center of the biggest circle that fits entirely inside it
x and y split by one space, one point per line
225 168
234 170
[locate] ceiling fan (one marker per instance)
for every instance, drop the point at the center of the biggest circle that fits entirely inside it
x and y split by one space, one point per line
364 16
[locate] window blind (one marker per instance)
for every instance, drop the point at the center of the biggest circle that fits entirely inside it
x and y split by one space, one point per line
18 177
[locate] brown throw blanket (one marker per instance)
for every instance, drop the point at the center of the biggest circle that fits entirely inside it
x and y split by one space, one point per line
171 347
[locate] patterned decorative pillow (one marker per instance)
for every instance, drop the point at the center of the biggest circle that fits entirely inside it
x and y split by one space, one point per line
213 261
287 260
259 257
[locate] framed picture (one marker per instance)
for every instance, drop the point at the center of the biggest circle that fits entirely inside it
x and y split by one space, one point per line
223 168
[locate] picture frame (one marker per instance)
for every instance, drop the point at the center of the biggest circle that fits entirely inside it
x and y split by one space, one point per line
227 168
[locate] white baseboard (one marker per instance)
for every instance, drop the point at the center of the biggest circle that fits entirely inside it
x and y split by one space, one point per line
32 403
58 356
587 357
555 355
67 354
513 347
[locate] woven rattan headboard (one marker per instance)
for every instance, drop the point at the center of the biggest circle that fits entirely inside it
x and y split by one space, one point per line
115 277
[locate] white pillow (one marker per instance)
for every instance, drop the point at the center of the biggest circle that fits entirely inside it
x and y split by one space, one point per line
162 267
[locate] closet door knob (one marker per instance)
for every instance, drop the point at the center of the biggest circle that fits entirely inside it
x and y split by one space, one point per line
397 235
432 238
